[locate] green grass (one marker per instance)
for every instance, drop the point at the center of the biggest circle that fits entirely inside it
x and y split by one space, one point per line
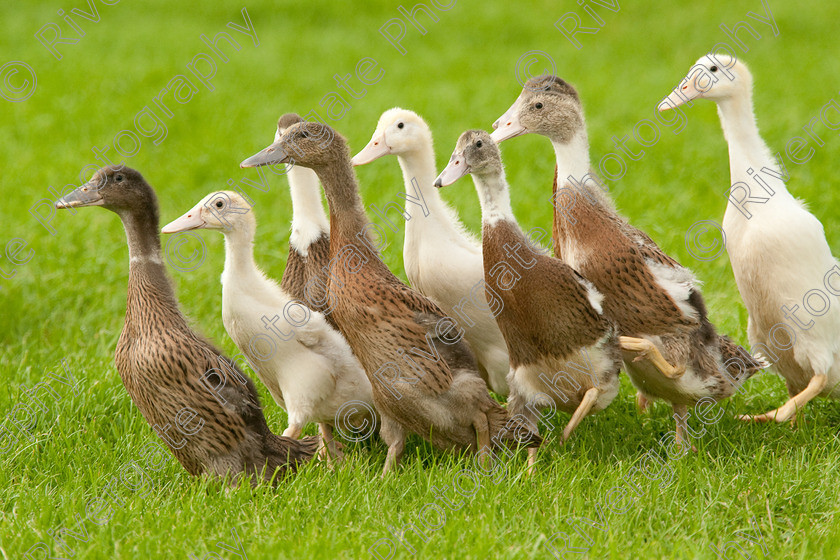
67 303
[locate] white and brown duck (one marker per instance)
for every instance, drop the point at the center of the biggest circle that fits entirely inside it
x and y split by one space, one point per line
304 361
166 367
423 374
671 349
564 352
442 261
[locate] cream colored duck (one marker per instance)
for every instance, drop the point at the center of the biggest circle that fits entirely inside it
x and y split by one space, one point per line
777 248
442 261
551 318
423 374
306 364
671 349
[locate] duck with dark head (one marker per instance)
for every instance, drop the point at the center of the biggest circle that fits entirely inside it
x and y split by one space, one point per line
167 368
424 377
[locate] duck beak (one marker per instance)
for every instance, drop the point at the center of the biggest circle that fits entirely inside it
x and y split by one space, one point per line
508 125
275 153
376 148
456 169
190 220
86 195
683 93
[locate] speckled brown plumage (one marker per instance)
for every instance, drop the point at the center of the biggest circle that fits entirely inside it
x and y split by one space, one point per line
161 360
301 269
390 326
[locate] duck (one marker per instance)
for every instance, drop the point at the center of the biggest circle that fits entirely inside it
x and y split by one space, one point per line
309 241
304 362
442 261
777 247
671 350
551 318
423 374
167 368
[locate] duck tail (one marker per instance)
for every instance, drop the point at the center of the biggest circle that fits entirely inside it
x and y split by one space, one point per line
511 431
286 453
738 362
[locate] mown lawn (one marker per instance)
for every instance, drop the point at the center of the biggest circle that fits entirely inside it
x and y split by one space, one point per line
66 304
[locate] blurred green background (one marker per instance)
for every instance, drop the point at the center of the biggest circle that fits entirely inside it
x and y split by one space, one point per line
67 302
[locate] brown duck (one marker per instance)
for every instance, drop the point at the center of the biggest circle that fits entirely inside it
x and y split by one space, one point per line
563 352
423 374
168 369
671 349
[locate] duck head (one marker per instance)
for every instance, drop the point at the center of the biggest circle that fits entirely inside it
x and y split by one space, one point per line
717 77
306 144
221 210
476 153
548 106
116 188
398 131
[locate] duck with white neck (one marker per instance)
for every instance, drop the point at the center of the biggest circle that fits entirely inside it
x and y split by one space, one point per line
306 364
552 318
442 260
671 349
777 248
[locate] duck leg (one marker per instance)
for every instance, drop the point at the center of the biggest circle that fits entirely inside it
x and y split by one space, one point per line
293 431
642 402
582 410
681 412
330 448
647 350
393 435
482 434
788 410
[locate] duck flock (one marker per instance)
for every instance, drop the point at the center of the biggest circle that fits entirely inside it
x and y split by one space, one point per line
497 314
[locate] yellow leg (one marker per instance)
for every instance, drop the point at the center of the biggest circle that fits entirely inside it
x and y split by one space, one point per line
647 350
788 410
532 460
293 431
583 409
642 402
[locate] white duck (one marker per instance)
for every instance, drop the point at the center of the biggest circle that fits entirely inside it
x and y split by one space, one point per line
306 364
442 261
777 248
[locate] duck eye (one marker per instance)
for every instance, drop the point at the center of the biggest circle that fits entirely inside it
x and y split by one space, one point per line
304 134
713 68
478 144
401 125
119 178
539 105
219 203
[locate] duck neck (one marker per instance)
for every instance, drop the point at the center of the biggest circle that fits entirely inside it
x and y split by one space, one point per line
239 254
418 169
347 214
746 148
572 158
149 287
494 196
309 222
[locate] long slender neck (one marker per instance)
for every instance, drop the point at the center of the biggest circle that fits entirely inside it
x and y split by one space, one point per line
418 169
148 282
494 196
347 214
239 254
309 221
746 148
572 157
